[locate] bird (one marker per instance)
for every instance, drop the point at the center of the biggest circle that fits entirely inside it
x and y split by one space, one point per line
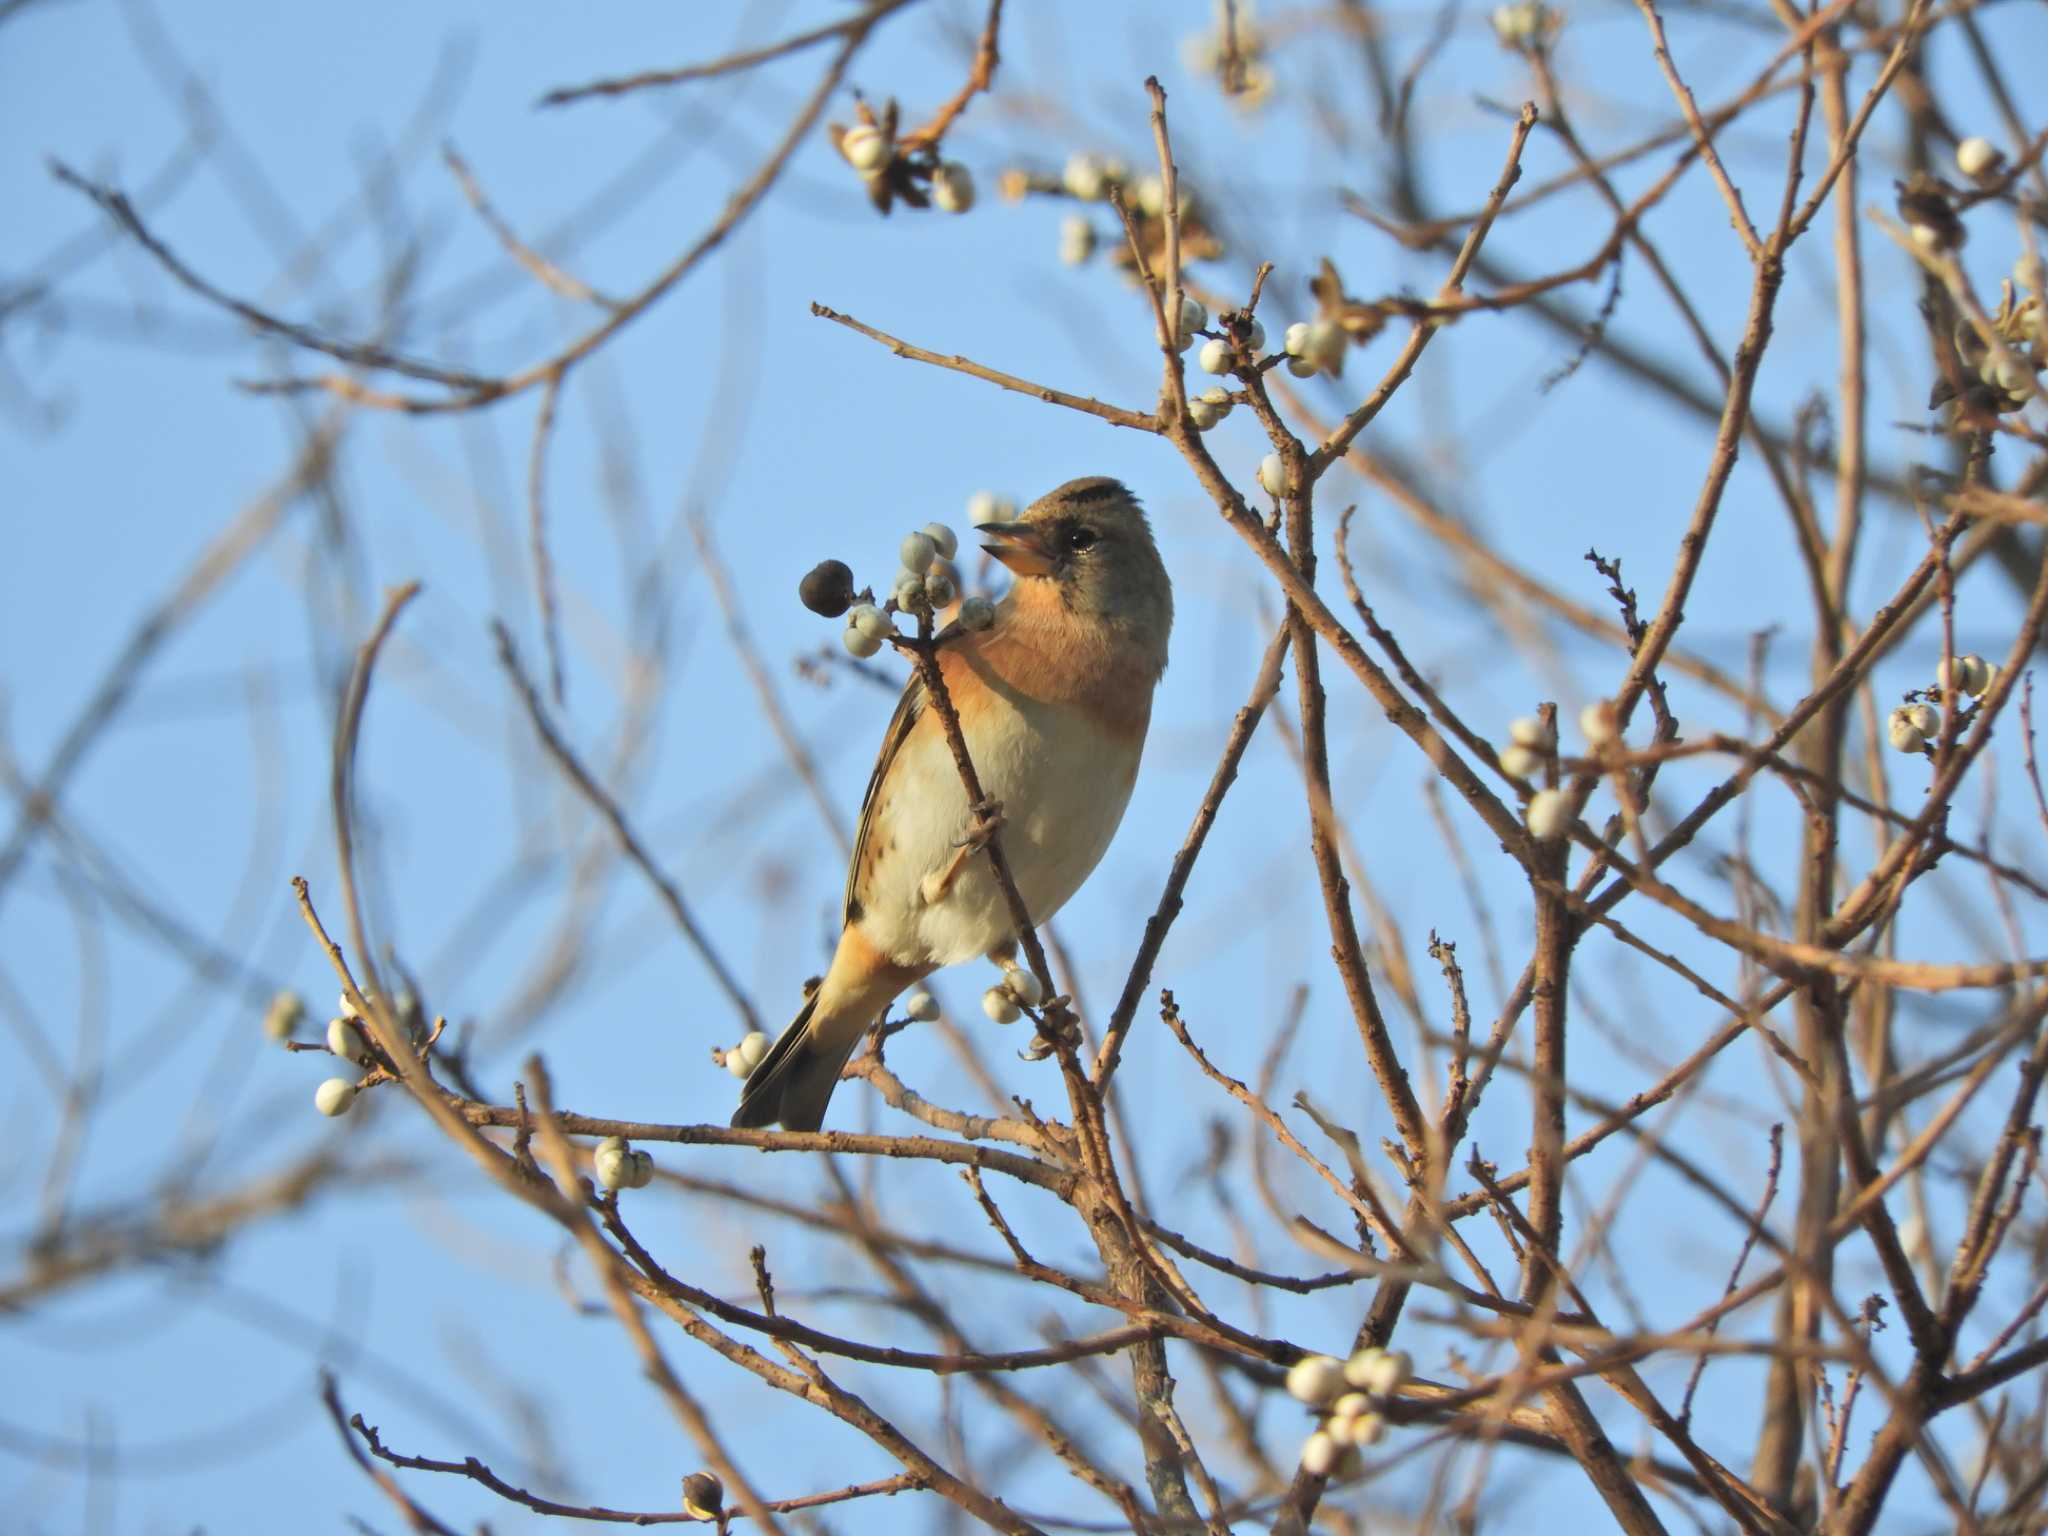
1054 698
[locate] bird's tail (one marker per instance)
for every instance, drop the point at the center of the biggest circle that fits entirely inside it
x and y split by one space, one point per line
794 1081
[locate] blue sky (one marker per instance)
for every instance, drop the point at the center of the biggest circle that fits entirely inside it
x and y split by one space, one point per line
128 445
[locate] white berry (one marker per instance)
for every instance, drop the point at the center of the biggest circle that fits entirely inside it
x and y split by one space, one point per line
1000 1006
1385 1373
976 613
1024 986
1360 1367
953 188
870 621
285 1013
864 147
1519 761
1326 343
1318 1454
752 1047
918 552
345 1041
1529 731
1350 1406
1365 1429
1977 157
1314 1379
1296 342
943 538
1548 815
1077 240
639 1169
1596 722
1904 735
735 1063
1925 717
860 642
1085 177
922 1006
1272 475
940 588
909 590
1203 414
335 1096
1214 356
1151 196
1303 367
1255 336
613 1166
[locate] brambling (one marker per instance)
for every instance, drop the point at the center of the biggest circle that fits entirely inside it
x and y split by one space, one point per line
1053 698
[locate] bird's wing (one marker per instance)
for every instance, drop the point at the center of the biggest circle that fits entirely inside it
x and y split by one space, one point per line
908 709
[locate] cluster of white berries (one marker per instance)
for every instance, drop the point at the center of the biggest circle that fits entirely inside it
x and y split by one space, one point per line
1548 814
1208 408
1315 346
1525 25
337 1095
1912 726
870 150
1088 178
1348 1394
1006 1001
741 1059
1530 742
1979 159
1194 316
928 581
619 1166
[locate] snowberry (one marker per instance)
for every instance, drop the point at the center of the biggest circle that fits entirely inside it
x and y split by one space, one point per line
1203 414
1319 1454
613 1164
922 1006
285 1013
1384 1374
953 188
940 588
864 147
345 1040
1077 240
1295 343
1000 1006
870 621
1085 177
1364 1429
1326 344
1530 731
752 1047
1596 722
909 590
1519 761
1255 336
1904 735
1925 717
943 538
1977 158
1024 986
860 642
918 552
976 613
1314 1379
335 1096
1214 356
1273 475
1548 815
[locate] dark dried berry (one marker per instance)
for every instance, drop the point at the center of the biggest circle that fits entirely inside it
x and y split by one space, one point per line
703 1493
828 589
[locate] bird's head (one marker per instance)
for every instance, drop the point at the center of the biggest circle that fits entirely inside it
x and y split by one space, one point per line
1089 540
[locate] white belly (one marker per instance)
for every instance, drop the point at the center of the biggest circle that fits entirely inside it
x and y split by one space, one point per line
1063 783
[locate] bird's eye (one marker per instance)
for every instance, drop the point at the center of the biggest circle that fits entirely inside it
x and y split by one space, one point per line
1079 539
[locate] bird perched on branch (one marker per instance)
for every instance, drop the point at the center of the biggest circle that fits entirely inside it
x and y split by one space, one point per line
1053 698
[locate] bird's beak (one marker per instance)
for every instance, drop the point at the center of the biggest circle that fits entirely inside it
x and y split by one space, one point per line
1020 546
